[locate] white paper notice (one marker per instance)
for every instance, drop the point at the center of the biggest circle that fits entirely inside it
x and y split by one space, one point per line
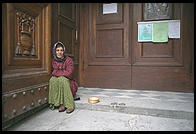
109 8
174 29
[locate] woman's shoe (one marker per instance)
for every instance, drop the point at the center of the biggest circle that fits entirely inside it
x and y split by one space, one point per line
76 97
51 107
61 108
69 110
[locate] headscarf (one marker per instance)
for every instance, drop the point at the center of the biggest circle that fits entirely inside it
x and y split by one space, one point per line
54 52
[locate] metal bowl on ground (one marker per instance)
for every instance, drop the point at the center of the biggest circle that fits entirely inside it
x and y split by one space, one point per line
93 99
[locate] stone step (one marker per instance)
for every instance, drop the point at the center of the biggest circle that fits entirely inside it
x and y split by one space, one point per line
149 107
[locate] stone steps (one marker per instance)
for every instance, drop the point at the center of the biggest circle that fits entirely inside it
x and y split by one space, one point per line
149 107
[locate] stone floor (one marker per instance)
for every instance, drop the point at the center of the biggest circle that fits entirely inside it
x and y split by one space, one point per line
118 110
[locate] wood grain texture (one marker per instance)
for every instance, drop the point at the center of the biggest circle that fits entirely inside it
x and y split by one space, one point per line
102 52
26 72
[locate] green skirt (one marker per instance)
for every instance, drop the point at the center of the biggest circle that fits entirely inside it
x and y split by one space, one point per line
60 92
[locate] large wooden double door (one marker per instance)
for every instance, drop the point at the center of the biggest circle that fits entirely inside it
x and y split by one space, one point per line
111 56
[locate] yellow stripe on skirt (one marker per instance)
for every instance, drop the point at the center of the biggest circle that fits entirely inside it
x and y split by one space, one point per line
60 92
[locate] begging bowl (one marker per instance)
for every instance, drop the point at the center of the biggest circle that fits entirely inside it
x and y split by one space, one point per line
93 99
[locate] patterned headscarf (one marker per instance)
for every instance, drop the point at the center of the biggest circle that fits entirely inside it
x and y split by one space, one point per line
54 52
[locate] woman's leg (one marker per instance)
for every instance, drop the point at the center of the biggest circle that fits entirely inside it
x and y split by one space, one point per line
53 89
66 97
60 92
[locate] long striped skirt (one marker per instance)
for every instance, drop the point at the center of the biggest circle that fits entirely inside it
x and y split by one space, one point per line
60 92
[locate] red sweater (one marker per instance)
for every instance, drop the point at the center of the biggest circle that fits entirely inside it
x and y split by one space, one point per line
66 69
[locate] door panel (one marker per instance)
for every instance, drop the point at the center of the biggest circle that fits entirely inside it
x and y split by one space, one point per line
111 56
156 54
105 53
26 58
161 66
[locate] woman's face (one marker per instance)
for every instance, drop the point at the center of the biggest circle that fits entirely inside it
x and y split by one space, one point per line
59 52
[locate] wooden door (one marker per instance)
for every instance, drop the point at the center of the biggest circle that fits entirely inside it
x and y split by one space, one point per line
29 33
164 66
65 28
104 39
111 56
26 59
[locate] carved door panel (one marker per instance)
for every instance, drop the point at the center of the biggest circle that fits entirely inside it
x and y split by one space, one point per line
65 28
111 56
26 58
105 58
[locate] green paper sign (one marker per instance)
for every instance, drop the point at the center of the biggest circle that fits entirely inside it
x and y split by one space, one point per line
160 32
